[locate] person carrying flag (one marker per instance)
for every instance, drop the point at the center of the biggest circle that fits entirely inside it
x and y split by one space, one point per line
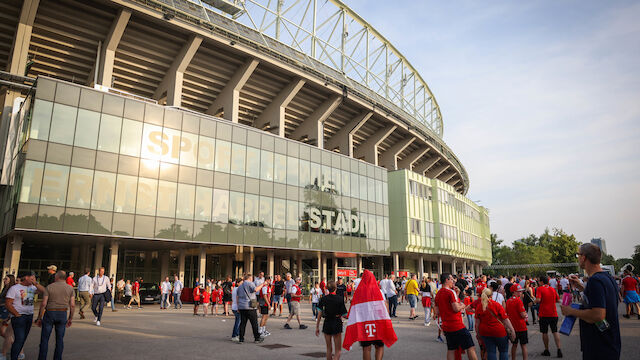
368 320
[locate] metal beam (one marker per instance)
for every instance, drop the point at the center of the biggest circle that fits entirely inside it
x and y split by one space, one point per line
410 159
313 126
273 115
172 81
433 174
389 159
108 50
343 139
228 101
369 149
20 47
422 167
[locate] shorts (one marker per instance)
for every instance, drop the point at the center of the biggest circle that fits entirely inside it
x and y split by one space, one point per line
546 322
376 343
459 339
226 298
522 337
264 310
412 300
196 302
631 297
295 308
277 299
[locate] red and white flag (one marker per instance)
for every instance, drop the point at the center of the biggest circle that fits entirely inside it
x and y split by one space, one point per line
368 316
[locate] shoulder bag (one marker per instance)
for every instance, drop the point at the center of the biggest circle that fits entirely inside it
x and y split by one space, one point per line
253 303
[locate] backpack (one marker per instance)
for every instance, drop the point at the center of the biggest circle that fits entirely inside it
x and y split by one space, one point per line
226 289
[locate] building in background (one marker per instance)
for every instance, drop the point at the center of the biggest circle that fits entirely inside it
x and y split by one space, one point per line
601 243
160 137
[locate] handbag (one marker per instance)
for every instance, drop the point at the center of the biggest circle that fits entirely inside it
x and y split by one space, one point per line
107 295
253 303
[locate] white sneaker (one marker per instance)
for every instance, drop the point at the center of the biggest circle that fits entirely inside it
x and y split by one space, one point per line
428 324
98 323
95 318
235 339
266 333
21 356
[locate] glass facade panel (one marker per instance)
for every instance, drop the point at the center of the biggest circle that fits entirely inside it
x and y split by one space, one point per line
154 143
363 187
171 145
126 190
104 185
131 136
167 192
316 176
345 184
54 185
335 180
41 120
253 162
305 173
266 208
292 171
251 209
355 189
189 149
236 208
220 212
186 201
109 137
31 182
79 195
279 213
87 128
280 168
238 156
147 195
371 190
223 156
63 124
292 215
326 179
206 151
203 203
266 168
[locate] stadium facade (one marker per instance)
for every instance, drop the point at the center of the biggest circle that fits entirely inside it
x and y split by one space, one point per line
158 137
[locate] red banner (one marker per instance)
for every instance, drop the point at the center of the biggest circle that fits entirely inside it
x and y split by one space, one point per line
348 272
403 273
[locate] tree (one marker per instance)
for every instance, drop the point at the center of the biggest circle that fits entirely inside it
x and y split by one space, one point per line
563 247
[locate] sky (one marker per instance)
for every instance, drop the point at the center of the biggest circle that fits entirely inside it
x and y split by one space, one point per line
541 104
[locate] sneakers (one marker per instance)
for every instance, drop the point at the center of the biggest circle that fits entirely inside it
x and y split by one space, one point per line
559 353
286 326
95 318
546 353
440 339
98 323
259 340
265 333
21 356
235 339
303 326
626 316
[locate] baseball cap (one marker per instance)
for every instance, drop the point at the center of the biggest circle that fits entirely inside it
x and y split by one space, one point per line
52 267
516 287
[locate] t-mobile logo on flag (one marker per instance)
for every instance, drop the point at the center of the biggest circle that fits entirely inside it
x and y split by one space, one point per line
370 329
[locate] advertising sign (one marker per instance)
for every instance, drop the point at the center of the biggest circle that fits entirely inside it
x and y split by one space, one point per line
347 272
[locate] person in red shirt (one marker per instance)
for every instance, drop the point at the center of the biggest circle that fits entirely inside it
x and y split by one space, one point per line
629 294
493 325
481 284
447 308
196 299
469 311
264 301
547 297
296 295
518 316
206 297
136 294
70 280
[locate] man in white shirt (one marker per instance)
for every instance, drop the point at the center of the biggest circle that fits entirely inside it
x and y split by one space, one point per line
260 279
101 284
19 303
85 283
553 283
166 290
356 282
389 289
177 291
564 284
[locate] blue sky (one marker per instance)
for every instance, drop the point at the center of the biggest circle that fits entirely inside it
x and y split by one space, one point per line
541 103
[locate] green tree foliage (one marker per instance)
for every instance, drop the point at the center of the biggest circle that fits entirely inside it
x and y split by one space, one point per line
550 247
563 247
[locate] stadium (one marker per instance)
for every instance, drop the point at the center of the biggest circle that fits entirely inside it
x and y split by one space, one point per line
215 137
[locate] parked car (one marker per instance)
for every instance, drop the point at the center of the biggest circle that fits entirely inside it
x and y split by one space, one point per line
150 293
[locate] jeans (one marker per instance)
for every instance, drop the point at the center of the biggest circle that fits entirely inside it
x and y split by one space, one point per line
21 326
393 305
252 317
288 298
165 301
427 315
97 305
51 319
413 299
176 300
236 324
501 343
314 309
470 322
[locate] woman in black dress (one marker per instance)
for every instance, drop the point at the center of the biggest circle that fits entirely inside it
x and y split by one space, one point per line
331 308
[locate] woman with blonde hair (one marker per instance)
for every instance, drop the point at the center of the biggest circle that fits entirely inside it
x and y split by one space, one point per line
493 326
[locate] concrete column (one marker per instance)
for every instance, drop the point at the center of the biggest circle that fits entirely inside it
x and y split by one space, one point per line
270 263
453 267
420 267
148 259
312 128
439 266
113 260
420 168
359 264
335 268
164 264
84 258
172 81
181 261
389 159
299 264
480 269
108 50
381 267
228 100
396 263
464 267
97 259
343 138
12 255
202 265
369 149
75 257
319 265
434 173
22 37
410 159
249 266
324 267
228 267
273 115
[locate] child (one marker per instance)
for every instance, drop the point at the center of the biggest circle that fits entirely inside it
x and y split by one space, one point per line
206 296
518 317
216 298
196 299
470 311
314 298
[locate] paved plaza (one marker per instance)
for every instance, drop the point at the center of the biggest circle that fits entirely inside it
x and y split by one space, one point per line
157 334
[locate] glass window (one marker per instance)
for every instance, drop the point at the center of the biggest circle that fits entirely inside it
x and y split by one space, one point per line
364 226
335 180
251 209
280 168
154 142
206 147
63 124
253 162
223 156
189 149
104 186
363 187
203 203
371 189
147 195
279 213
316 176
344 183
126 190
266 168
131 137
41 120
379 191
266 207
87 128
186 201
54 185
305 171
109 137
385 193
80 181
326 179
31 181
379 227
355 189
220 212
238 156
292 215
172 145
167 191
292 171
236 207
